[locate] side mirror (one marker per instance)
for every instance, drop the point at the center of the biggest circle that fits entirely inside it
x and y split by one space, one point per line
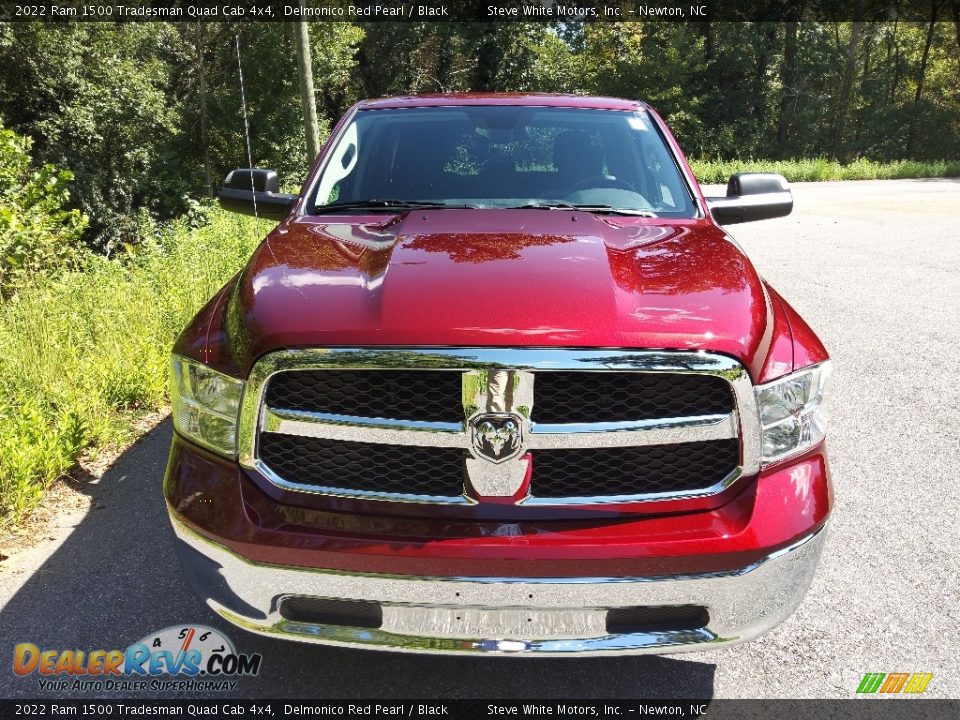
246 188
752 196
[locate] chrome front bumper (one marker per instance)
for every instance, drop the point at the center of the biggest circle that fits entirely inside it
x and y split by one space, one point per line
541 616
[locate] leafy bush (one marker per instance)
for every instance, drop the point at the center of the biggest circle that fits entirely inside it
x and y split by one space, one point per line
37 235
83 353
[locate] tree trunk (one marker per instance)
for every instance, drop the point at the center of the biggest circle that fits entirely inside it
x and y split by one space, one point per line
444 66
921 75
867 47
766 39
955 8
489 56
305 64
204 115
788 75
895 80
843 106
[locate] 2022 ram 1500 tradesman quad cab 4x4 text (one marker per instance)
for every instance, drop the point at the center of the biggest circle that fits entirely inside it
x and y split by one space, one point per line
499 382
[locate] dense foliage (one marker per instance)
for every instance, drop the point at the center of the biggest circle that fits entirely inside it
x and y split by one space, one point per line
149 115
37 233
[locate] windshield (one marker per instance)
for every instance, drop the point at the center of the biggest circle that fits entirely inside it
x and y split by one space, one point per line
503 157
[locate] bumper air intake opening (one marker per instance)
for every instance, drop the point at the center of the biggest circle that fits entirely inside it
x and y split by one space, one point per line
324 611
656 619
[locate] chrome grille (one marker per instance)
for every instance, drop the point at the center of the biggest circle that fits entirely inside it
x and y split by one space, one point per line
348 422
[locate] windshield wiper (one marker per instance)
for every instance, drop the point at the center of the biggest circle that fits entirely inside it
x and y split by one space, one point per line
375 204
600 209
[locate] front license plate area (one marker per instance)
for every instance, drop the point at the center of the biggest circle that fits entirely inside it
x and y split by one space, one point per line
506 623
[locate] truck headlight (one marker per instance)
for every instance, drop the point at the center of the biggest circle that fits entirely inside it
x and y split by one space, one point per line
793 412
205 405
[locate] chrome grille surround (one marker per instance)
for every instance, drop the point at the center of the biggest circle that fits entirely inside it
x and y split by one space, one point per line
524 363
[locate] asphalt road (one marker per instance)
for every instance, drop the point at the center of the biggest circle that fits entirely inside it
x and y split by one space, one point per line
874 267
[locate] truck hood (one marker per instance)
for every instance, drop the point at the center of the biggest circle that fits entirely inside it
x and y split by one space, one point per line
499 278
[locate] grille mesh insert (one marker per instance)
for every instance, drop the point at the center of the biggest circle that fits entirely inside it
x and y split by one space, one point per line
428 395
632 470
583 397
556 473
364 466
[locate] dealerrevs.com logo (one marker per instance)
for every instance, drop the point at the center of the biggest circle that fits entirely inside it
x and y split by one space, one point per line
184 658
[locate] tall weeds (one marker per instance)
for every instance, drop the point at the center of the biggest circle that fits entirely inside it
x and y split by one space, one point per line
82 355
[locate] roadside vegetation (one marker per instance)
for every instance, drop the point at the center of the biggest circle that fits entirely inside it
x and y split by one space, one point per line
819 169
85 339
85 352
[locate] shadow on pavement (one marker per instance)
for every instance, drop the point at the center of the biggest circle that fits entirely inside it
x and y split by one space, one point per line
116 579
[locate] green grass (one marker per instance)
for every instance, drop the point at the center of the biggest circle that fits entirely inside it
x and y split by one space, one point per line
816 169
82 356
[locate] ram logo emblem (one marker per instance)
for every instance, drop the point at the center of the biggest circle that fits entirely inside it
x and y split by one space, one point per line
496 436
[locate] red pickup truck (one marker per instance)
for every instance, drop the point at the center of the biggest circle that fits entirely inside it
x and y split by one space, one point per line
498 382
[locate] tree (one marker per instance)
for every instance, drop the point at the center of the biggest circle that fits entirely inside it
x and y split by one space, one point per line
843 103
955 11
788 81
93 98
921 74
305 66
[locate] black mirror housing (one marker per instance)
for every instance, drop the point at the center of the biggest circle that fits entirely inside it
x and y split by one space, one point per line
254 191
255 178
752 196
